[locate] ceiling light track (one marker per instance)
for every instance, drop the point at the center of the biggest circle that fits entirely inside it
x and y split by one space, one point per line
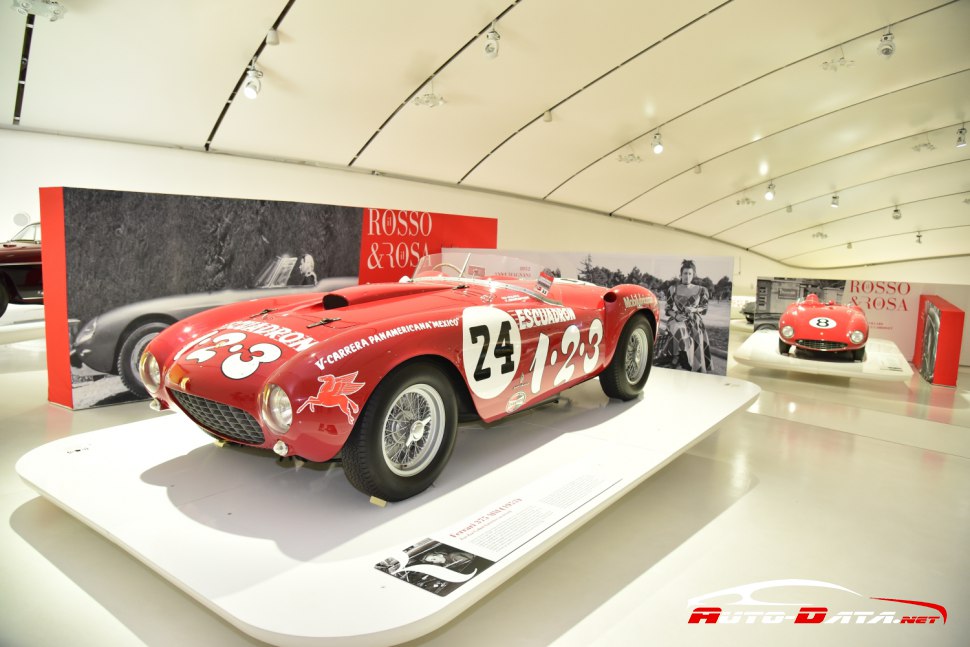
743 85
918 240
22 77
586 87
793 171
883 210
271 38
414 94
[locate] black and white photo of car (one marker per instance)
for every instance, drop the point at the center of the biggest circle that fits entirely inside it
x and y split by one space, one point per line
112 342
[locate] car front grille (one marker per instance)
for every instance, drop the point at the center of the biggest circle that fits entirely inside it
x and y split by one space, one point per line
820 344
229 422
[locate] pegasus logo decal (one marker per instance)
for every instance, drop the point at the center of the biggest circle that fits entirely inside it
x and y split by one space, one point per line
335 392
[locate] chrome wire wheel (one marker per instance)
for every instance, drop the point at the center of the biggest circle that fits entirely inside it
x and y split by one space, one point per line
635 362
413 430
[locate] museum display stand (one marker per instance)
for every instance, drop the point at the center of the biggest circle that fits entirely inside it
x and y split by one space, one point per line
939 336
883 359
21 323
291 554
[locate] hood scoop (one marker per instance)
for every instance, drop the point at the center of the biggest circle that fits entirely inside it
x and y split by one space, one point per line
359 294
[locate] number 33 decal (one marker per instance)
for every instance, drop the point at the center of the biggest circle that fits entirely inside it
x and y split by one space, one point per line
491 350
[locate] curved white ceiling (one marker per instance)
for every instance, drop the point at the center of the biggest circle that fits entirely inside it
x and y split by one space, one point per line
737 89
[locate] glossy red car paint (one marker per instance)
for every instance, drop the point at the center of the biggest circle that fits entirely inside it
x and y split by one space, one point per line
823 326
503 344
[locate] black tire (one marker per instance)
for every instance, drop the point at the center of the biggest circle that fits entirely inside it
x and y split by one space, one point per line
131 350
4 298
414 389
783 348
627 373
859 354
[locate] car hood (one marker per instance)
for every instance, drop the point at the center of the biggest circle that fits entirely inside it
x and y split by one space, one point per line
240 349
14 251
851 316
180 306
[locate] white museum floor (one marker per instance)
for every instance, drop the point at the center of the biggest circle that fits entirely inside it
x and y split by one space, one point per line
855 484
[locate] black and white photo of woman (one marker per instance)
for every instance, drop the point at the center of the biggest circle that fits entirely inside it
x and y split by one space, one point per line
686 344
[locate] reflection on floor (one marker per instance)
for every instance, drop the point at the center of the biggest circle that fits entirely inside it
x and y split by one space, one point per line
865 485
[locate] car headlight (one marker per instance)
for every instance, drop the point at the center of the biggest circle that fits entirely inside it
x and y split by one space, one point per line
150 372
275 408
787 332
86 332
857 336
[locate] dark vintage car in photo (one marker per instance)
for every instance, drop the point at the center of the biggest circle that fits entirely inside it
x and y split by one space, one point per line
21 280
112 342
811 325
378 375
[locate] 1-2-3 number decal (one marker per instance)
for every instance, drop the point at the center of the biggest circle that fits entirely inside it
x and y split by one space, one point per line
571 343
492 351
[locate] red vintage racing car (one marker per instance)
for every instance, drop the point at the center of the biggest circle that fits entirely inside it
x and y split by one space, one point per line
828 327
379 374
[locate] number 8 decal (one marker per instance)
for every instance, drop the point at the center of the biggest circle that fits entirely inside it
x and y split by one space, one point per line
491 350
822 322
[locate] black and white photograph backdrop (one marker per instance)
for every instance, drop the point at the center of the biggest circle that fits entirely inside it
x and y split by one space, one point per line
694 293
138 262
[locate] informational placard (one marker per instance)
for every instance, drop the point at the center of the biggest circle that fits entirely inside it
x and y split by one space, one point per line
444 562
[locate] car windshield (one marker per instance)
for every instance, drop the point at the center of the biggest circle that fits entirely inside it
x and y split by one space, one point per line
490 269
30 233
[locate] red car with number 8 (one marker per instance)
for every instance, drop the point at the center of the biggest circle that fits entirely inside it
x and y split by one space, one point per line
829 327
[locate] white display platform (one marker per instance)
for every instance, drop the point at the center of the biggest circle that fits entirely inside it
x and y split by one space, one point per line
21 323
288 554
883 360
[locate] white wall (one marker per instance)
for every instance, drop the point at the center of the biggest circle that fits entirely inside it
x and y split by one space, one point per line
30 160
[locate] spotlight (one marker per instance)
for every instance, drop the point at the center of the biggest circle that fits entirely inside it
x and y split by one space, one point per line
50 9
788 208
252 84
835 201
897 214
658 145
429 100
491 42
961 137
770 193
886 46
547 116
919 238
272 37
849 245
834 64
